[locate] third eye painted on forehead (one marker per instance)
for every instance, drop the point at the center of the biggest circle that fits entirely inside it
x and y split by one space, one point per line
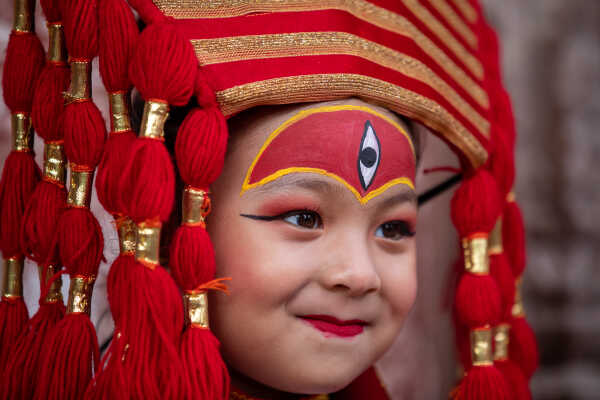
357 146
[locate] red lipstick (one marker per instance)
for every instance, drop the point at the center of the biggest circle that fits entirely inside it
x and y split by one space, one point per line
332 325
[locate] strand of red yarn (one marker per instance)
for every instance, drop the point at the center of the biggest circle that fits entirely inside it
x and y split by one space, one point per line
70 354
474 210
163 69
200 151
117 40
22 66
501 165
39 224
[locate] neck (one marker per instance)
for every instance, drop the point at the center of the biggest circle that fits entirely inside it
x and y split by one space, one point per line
244 388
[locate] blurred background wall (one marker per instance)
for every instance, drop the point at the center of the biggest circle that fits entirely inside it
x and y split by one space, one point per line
551 63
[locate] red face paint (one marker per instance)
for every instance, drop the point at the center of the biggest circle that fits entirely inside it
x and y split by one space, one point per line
357 146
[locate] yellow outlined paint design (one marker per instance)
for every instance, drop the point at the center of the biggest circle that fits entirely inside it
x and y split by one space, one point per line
305 113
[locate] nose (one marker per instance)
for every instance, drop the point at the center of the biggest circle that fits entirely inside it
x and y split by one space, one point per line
350 268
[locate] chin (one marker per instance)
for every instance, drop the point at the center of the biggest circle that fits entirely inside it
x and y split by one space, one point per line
319 381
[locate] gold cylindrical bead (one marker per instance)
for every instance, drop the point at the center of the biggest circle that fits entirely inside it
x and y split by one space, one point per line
501 338
13 278
517 309
147 250
196 309
481 347
54 292
476 255
126 229
55 168
80 188
195 206
57 52
22 134
119 112
495 241
81 81
153 120
510 197
80 295
24 15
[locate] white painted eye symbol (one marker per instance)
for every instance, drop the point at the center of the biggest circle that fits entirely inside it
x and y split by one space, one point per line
368 156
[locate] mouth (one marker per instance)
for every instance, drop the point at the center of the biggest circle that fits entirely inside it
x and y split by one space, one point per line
332 326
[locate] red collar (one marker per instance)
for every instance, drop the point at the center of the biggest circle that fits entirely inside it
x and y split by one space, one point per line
236 394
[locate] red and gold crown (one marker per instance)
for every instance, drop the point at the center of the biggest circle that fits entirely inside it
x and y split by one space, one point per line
433 61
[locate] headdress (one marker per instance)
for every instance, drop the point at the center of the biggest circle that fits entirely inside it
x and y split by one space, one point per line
433 61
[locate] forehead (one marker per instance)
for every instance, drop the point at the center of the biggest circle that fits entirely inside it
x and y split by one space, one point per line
355 144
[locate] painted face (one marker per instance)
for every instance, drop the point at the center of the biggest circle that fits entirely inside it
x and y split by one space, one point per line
319 244
370 153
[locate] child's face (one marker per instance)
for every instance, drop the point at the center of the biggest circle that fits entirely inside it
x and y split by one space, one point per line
317 233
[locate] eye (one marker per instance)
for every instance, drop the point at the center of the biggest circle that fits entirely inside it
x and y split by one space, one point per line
303 219
368 156
394 230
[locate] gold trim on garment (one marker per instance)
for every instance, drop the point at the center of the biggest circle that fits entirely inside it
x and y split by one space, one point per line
466 10
360 9
252 47
305 88
455 21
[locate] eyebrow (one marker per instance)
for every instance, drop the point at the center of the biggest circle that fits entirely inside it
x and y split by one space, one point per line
323 187
298 181
407 195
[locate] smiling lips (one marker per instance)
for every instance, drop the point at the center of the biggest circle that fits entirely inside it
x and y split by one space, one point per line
332 325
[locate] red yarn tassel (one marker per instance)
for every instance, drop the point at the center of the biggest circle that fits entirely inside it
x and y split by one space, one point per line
70 354
200 150
22 375
519 388
501 272
19 178
513 236
118 37
13 319
192 263
523 346
152 318
22 67
475 208
70 357
483 383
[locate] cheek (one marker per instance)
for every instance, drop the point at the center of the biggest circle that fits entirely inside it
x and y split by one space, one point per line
399 284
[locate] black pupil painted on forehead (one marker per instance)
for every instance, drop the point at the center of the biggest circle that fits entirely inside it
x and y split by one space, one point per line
368 156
